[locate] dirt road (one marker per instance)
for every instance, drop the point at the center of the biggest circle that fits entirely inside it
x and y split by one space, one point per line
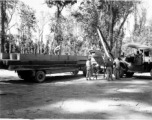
70 97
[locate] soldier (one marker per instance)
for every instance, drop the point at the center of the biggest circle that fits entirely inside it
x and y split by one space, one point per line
109 66
88 69
116 64
57 50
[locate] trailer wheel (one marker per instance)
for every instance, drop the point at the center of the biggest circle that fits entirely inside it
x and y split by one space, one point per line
84 71
75 72
25 75
39 76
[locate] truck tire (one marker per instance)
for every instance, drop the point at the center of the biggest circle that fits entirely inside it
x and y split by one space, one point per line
75 72
39 76
25 75
84 71
129 74
121 72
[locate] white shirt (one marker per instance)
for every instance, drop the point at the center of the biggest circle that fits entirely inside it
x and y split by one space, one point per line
117 62
88 63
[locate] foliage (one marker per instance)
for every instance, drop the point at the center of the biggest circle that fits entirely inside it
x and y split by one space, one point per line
109 16
87 17
141 34
8 8
116 13
42 21
28 24
60 4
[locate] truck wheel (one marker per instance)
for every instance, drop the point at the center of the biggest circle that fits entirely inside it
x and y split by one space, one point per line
25 75
39 76
151 73
129 74
75 72
121 72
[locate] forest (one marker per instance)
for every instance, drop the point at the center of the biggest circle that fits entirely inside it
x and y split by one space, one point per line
23 32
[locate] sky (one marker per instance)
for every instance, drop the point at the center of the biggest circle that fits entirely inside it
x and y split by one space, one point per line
148 5
37 5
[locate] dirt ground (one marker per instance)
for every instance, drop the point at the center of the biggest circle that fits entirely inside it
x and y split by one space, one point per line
69 97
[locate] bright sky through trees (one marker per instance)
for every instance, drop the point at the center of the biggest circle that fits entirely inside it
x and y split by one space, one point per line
39 5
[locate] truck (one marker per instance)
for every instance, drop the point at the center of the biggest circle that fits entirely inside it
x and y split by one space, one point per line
133 63
34 67
139 61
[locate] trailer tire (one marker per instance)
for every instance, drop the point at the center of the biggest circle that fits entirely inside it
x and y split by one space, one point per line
39 76
75 72
25 75
84 71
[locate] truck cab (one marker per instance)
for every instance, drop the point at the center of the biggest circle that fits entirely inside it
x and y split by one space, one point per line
140 61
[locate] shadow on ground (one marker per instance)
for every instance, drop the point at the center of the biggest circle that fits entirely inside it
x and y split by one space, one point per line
102 100
49 79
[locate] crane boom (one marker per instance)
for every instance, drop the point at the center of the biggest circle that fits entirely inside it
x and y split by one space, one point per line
107 53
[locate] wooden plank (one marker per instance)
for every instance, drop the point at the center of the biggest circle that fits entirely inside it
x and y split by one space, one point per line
72 58
54 58
53 68
4 56
82 57
14 56
15 62
42 57
81 62
33 57
63 58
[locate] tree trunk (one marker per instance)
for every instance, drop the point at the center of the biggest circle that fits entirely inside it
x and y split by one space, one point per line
3 16
112 14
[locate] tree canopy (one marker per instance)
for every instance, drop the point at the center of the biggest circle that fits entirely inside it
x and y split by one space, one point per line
77 31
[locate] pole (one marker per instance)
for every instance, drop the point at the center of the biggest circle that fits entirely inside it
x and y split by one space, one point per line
107 54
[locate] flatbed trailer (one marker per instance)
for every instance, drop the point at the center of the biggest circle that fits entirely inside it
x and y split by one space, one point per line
35 67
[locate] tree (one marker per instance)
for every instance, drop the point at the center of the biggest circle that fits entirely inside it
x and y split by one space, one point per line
3 22
116 13
71 36
41 23
8 8
27 26
141 34
109 16
11 8
60 5
87 17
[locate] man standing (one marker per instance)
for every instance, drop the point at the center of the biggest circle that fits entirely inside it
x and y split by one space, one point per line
116 64
88 68
109 66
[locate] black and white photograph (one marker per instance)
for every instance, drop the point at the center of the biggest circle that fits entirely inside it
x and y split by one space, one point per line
76 59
